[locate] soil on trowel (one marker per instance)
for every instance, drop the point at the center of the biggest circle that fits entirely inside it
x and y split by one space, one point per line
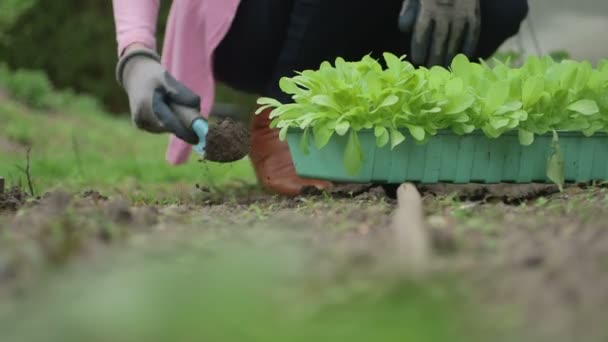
227 141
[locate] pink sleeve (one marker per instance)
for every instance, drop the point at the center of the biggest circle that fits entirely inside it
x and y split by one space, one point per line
135 22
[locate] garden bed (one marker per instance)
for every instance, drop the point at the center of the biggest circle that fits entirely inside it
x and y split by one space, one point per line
543 261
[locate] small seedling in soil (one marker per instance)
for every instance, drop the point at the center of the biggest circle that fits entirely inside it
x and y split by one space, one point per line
26 171
541 201
259 213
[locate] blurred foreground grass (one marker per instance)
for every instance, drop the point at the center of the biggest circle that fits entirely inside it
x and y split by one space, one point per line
248 289
79 148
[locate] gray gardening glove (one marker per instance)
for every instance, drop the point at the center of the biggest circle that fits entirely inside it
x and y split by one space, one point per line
440 29
158 102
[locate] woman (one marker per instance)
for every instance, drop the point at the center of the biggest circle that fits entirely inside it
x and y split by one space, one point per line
250 44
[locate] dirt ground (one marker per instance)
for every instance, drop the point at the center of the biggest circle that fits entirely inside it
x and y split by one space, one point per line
529 250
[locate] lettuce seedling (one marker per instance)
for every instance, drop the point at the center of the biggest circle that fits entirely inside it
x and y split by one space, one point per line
397 100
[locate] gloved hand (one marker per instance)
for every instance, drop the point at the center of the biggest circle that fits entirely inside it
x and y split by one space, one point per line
440 29
158 102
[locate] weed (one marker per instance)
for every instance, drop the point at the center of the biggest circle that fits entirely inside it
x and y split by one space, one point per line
26 171
541 201
259 213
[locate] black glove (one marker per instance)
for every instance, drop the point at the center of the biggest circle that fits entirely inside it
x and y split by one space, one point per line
440 29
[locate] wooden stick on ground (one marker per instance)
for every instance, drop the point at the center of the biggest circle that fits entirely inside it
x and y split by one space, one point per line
1 185
411 238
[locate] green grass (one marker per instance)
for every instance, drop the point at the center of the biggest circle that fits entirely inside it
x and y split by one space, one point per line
80 148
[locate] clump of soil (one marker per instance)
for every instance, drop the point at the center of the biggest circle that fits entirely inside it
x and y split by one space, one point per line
227 141
94 195
12 199
346 190
491 193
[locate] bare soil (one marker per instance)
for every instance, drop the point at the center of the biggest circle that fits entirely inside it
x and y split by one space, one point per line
536 254
12 199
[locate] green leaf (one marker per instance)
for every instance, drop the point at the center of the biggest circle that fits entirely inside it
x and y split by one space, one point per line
568 77
468 128
392 61
458 104
353 155
326 101
417 132
321 135
454 87
438 76
462 118
519 115
526 138
432 110
461 65
496 96
267 101
532 90
382 136
498 123
305 142
389 101
396 138
283 133
341 64
508 107
288 86
288 111
373 84
342 128
585 107
262 109
306 120
555 164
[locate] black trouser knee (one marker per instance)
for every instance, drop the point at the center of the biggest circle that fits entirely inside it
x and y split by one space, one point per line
270 39
500 20
294 35
245 58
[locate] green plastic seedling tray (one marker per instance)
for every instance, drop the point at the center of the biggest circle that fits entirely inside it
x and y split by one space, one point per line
446 157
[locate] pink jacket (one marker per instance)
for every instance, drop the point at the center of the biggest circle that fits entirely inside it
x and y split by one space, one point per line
194 30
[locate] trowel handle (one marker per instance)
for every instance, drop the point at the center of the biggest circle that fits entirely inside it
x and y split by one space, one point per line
191 118
186 115
201 128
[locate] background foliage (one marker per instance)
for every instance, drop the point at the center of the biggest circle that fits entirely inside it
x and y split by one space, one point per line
72 40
